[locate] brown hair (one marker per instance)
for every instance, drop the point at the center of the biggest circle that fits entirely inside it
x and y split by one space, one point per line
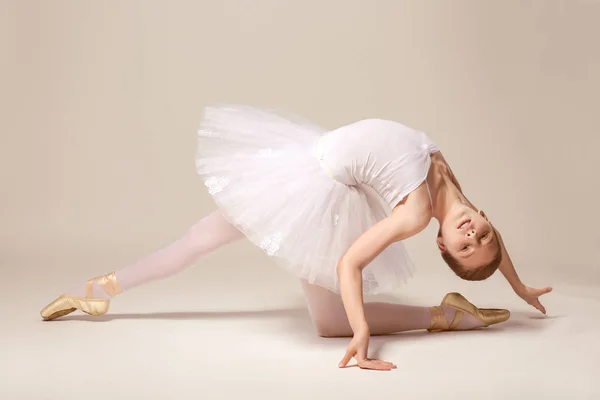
475 274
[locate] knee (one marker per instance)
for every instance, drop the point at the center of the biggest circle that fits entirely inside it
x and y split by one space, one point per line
200 238
195 234
323 330
328 328
327 312
328 334
193 240
325 333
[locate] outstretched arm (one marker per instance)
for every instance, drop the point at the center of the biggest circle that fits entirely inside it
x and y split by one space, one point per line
407 220
507 267
530 295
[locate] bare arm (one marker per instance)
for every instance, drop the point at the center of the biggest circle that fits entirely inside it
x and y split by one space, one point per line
369 245
530 295
407 220
507 268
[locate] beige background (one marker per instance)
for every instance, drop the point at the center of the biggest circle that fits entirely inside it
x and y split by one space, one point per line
100 105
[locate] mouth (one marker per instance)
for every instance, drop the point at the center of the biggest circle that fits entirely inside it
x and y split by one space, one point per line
464 224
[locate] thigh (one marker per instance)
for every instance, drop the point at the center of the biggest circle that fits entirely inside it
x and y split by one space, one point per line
326 309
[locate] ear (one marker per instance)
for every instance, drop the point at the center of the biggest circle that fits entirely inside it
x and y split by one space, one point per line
480 212
440 243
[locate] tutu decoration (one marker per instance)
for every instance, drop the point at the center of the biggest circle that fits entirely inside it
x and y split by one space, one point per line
264 173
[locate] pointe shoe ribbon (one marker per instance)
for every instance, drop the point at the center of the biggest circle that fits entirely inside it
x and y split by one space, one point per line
107 282
66 304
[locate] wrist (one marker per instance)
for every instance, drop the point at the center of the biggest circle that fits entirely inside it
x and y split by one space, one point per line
362 330
519 288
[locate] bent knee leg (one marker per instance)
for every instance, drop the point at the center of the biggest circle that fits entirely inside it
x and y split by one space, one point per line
326 311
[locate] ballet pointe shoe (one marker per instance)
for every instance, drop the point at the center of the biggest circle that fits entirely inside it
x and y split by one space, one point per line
66 304
487 316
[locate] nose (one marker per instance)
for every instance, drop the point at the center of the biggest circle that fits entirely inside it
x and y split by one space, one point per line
471 233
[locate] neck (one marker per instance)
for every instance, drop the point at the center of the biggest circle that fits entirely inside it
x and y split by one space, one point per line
445 194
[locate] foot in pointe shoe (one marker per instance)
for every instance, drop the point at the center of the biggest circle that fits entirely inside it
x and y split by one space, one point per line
483 317
66 304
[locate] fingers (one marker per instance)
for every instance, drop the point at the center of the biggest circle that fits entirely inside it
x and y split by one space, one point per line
539 292
366 363
539 306
536 302
347 357
376 364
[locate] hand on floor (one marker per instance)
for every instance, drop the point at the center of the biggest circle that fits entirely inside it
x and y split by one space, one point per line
358 348
531 295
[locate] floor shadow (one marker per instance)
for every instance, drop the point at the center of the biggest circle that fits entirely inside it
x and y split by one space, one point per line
296 321
520 320
297 324
192 315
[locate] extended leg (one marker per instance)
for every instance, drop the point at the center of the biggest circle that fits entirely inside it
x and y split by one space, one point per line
329 317
205 236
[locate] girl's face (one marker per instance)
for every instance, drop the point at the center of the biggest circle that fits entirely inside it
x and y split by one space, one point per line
468 236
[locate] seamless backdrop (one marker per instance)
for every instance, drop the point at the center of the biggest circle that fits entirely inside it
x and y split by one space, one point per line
101 101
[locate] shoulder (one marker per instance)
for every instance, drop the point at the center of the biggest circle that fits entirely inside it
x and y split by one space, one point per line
414 212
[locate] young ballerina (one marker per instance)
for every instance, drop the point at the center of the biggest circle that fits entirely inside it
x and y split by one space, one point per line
332 208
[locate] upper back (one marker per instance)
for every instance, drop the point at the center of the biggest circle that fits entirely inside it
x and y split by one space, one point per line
390 157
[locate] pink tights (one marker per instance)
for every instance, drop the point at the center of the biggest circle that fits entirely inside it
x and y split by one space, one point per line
325 307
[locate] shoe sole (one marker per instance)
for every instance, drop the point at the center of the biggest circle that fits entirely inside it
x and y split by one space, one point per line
59 314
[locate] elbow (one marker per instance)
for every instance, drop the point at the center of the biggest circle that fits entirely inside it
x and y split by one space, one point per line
341 268
344 266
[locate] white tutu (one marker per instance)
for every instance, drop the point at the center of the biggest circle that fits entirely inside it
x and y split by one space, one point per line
262 171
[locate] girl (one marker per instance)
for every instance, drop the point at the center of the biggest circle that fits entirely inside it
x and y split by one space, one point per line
333 209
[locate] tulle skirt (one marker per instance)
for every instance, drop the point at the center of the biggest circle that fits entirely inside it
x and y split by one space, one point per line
264 172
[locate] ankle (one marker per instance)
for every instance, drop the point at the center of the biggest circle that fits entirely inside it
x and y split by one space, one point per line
108 284
101 287
449 313
466 322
